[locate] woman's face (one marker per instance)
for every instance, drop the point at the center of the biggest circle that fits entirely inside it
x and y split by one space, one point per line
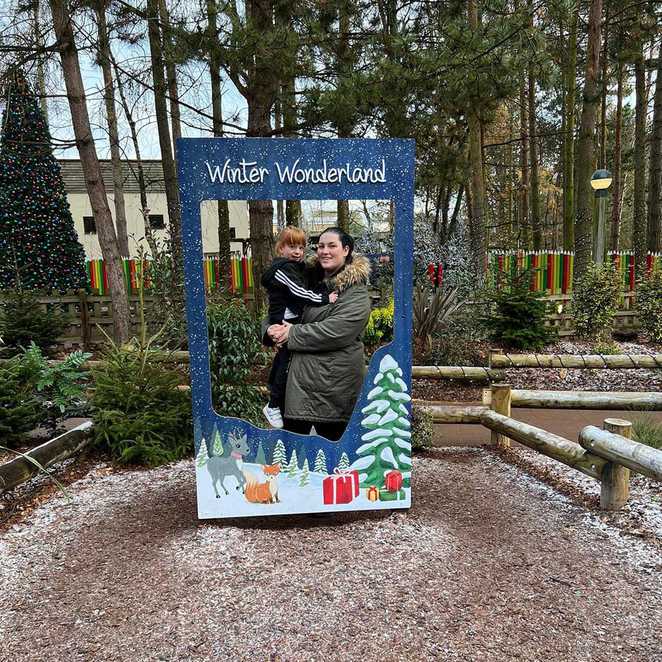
331 253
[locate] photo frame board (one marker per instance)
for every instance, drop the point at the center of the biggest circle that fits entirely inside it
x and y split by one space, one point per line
369 468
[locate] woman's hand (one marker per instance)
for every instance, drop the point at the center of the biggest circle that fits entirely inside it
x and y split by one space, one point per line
279 333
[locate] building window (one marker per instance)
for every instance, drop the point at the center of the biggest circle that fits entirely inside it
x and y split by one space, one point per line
233 233
89 226
156 221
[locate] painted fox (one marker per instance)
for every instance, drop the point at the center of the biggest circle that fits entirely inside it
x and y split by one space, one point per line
266 492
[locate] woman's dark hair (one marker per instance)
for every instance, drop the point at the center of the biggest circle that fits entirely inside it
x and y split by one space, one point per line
346 240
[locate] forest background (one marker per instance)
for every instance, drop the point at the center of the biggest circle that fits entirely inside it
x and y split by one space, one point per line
513 105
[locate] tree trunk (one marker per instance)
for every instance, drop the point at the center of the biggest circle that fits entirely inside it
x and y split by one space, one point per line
477 233
224 252
142 186
655 168
39 44
616 192
161 111
171 73
603 102
586 144
569 136
261 94
535 190
91 169
639 203
344 66
524 167
113 132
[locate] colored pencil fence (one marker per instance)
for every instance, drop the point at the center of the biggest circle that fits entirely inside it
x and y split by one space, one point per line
552 270
241 275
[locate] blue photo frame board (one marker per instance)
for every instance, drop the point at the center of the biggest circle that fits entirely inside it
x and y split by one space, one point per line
369 468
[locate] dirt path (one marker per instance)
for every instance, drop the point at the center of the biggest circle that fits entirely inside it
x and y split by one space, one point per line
488 565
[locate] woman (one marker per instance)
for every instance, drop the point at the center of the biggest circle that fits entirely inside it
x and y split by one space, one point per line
327 365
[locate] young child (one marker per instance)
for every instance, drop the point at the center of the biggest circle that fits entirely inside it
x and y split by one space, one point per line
285 283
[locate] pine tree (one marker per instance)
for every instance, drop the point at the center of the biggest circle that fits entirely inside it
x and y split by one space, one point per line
320 462
217 448
279 456
39 248
202 457
293 466
388 440
343 463
260 457
305 477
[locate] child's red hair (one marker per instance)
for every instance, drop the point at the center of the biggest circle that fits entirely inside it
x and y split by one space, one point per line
290 236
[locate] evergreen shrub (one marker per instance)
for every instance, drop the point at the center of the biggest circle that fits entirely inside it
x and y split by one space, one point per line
595 301
23 320
649 306
235 352
140 414
515 316
20 410
422 427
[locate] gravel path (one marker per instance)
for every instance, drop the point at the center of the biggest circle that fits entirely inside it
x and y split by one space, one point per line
488 565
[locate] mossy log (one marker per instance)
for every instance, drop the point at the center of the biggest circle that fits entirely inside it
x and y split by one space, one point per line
649 401
469 373
561 449
612 361
20 469
616 448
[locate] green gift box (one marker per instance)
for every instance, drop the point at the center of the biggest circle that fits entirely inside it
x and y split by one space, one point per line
387 495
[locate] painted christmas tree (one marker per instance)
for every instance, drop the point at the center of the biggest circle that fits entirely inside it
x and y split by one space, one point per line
304 479
320 462
343 463
260 457
203 456
217 448
39 248
279 456
388 438
293 466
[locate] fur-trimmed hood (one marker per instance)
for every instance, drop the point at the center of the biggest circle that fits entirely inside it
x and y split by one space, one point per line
357 272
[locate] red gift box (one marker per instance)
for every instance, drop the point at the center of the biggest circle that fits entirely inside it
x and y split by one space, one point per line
338 488
352 475
393 481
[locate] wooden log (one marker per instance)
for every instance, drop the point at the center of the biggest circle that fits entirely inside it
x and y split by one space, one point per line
443 413
613 361
561 449
500 403
649 401
615 483
473 373
639 457
20 469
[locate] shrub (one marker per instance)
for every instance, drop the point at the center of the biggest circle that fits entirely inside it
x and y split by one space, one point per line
23 320
647 430
235 350
20 410
595 301
60 388
140 415
379 329
422 426
516 316
430 310
649 305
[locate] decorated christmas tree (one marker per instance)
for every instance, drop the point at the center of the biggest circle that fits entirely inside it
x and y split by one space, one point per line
39 248
320 462
304 479
279 456
388 438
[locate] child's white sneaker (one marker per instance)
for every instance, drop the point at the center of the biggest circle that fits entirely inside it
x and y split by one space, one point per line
273 415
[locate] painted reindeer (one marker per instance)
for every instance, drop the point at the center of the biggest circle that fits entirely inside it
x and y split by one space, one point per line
230 463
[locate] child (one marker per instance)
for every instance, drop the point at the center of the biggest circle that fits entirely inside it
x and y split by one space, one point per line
285 281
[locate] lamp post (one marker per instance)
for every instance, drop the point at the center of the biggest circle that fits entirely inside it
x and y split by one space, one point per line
600 182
